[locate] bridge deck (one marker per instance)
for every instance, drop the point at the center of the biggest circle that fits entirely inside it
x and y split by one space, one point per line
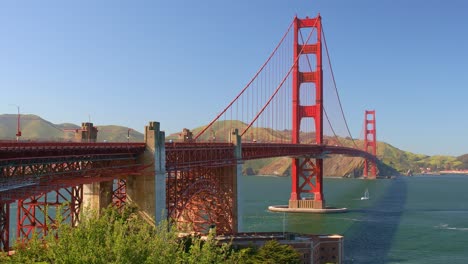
181 155
34 167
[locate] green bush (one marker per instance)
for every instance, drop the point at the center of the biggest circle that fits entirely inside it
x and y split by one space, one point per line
274 253
118 238
126 238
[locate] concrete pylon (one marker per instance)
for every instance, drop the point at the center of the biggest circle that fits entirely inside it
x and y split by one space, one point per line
87 133
148 191
98 195
237 141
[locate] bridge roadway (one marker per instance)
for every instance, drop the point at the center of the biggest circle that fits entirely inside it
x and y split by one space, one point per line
32 168
180 155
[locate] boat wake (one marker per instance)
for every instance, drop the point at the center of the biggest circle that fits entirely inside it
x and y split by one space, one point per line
354 219
447 227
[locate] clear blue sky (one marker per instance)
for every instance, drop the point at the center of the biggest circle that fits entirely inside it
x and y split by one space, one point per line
181 62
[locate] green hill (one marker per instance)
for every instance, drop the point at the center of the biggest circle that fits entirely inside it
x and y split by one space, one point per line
392 160
113 133
464 160
36 128
32 128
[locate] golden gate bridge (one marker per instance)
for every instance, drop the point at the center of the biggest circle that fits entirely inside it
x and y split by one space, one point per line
290 108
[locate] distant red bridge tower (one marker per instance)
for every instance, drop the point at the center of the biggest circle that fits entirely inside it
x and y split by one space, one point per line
307 176
370 143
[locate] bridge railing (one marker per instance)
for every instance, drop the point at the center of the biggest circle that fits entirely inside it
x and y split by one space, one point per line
269 150
34 150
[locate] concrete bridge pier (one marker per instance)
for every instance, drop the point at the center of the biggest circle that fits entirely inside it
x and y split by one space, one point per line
237 188
98 195
148 191
87 133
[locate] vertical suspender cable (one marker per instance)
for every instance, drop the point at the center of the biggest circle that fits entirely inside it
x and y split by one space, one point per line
248 84
336 89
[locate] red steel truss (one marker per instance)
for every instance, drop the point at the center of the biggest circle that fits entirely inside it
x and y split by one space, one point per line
201 197
307 176
119 194
201 187
43 176
25 180
370 143
187 154
39 213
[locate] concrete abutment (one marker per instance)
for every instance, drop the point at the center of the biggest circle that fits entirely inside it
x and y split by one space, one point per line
148 191
97 195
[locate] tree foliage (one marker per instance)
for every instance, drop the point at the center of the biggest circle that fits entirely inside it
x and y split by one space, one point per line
126 238
274 253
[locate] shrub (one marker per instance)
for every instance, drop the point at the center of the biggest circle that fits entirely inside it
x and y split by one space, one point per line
119 238
275 253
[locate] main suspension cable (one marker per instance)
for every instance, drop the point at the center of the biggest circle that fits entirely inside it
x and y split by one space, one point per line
248 84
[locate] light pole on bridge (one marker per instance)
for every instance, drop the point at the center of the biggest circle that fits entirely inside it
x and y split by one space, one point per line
18 126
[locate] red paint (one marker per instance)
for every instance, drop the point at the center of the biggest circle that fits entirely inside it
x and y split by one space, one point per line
370 143
307 176
119 195
34 214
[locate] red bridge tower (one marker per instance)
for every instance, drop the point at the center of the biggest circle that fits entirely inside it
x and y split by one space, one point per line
370 142
307 176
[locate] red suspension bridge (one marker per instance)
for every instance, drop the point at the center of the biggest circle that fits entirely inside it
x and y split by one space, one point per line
290 108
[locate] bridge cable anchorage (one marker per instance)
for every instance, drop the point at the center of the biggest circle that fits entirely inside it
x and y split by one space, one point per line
281 84
324 111
248 84
336 89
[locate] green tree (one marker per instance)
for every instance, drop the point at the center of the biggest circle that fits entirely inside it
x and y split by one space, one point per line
119 238
274 253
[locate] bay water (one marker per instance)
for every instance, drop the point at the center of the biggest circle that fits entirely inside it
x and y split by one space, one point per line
420 219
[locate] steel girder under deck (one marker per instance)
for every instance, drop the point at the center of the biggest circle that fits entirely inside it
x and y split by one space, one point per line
32 175
20 180
202 197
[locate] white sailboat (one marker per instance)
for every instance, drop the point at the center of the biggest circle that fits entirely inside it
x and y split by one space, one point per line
366 195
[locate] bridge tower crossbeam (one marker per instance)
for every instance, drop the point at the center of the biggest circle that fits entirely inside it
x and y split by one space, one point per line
307 175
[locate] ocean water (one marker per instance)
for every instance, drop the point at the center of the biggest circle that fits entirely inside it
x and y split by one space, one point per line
420 219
